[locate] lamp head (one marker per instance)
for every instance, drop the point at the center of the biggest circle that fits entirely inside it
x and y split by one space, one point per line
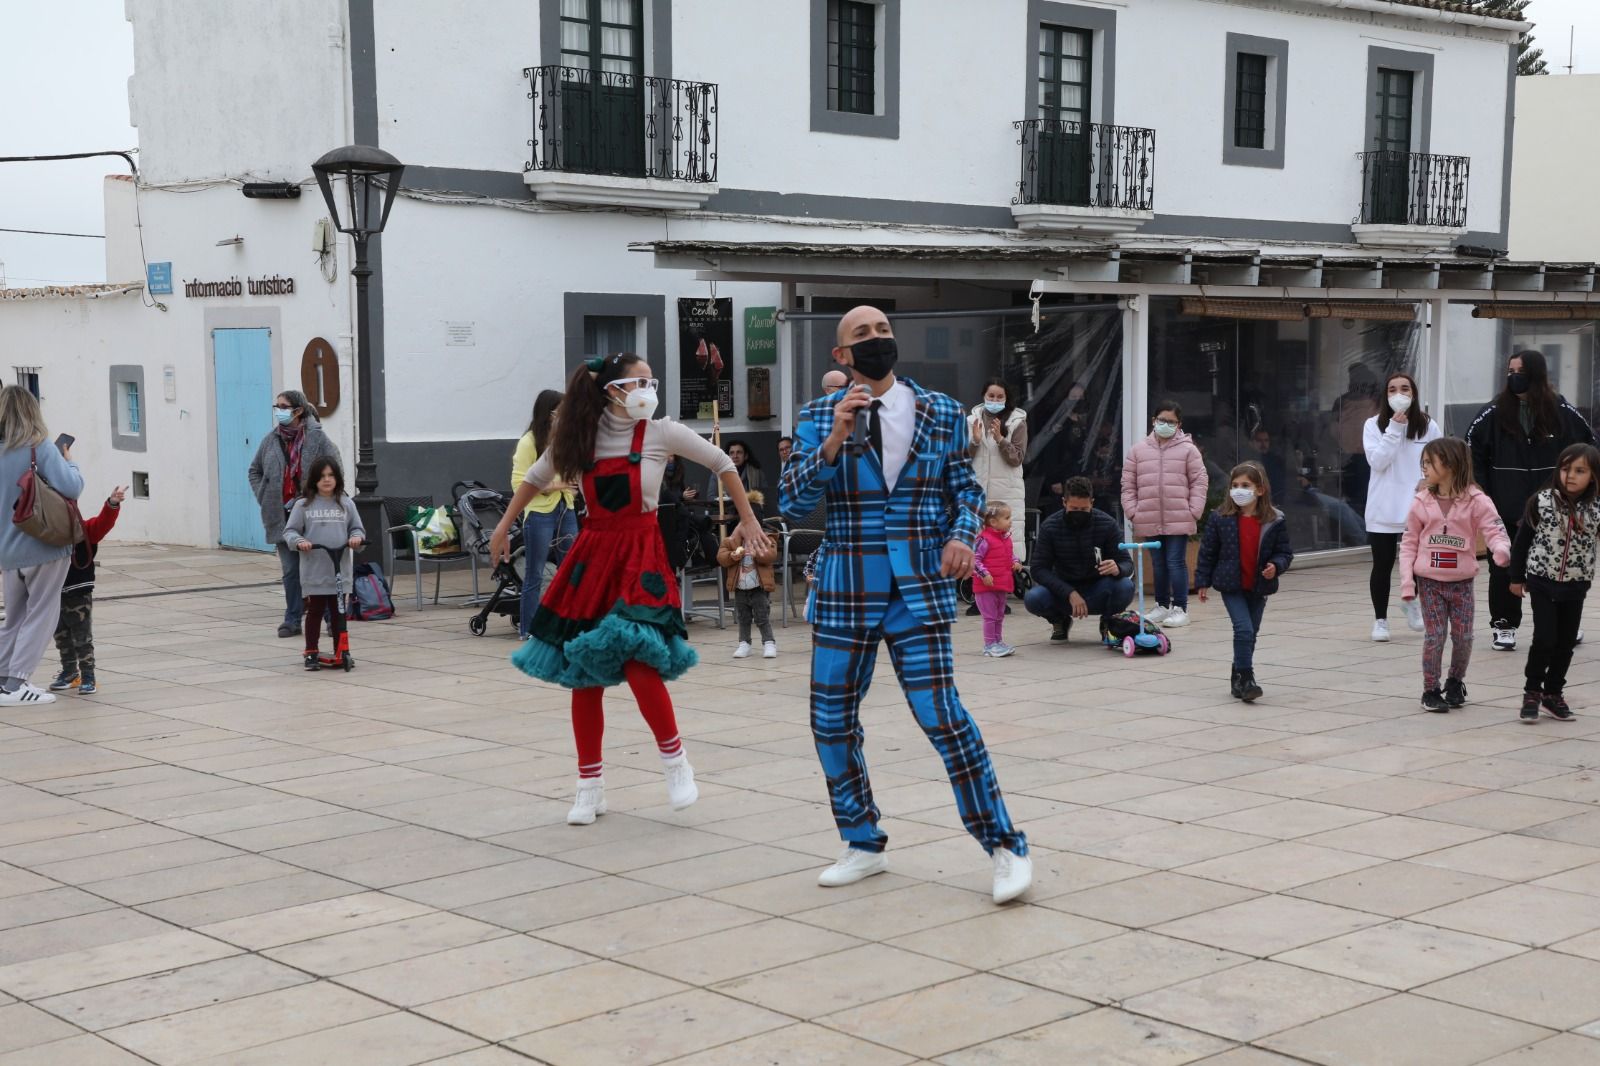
372 177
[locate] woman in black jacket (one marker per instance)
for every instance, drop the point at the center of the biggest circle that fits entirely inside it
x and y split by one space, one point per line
1515 442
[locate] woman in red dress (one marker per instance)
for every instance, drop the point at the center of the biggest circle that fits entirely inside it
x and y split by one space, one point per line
612 612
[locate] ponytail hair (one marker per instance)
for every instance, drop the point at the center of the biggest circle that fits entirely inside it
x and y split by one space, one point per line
572 435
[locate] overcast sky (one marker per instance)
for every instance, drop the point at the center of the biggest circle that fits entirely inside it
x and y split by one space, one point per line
64 69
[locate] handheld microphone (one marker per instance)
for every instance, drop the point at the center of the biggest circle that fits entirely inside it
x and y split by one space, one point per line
860 443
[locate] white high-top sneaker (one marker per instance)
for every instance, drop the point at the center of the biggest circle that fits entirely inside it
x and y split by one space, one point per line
681 789
590 803
1013 874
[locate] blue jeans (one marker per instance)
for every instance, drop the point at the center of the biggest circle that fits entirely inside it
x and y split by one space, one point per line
1106 596
1171 561
294 604
544 536
1244 611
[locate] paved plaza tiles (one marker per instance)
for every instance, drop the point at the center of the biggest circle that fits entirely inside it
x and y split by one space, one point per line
221 859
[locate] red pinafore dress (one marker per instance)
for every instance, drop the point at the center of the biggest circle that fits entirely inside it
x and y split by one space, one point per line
613 600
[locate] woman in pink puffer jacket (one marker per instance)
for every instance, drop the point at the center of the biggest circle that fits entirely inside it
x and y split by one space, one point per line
1163 496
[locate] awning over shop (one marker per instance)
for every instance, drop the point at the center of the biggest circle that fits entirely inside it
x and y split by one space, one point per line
1294 310
1564 311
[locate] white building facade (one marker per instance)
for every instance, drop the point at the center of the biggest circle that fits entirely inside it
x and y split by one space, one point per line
1251 206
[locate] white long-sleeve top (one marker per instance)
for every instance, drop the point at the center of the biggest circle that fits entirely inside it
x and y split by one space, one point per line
662 437
1396 462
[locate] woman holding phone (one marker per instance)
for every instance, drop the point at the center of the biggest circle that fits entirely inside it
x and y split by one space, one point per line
34 571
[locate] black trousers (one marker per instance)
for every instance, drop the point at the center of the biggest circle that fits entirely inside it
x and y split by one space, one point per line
1505 610
1555 634
1385 550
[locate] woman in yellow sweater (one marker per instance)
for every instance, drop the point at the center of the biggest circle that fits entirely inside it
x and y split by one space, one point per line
549 524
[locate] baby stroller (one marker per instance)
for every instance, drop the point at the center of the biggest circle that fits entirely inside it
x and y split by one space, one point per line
481 509
1130 631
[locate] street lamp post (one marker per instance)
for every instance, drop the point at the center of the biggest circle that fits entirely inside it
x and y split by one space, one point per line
372 177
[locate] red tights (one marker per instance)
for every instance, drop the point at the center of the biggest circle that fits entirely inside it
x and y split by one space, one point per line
589 720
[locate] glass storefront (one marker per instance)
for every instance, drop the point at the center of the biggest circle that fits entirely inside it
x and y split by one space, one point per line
1292 394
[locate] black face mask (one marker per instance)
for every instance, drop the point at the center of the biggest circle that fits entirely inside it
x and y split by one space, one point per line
1078 519
875 357
1517 382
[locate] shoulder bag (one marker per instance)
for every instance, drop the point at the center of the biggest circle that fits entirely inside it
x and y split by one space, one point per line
42 512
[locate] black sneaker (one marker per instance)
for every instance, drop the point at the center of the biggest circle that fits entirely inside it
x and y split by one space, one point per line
1059 631
1455 692
1530 707
1557 706
1433 700
312 661
1249 691
86 685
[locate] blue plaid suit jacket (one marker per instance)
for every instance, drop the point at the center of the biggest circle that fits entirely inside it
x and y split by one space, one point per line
875 539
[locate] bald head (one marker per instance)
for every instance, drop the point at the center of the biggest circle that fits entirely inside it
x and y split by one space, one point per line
862 322
834 380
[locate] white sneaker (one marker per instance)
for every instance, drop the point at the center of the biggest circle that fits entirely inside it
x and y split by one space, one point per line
1505 640
1000 649
769 650
742 651
1380 630
1175 618
1013 874
1580 637
681 789
1414 615
590 803
1157 613
27 695
854 864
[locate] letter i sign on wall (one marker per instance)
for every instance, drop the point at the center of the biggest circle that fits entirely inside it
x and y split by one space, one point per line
319 377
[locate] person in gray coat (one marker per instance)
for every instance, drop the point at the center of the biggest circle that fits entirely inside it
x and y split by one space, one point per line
34 571
276 474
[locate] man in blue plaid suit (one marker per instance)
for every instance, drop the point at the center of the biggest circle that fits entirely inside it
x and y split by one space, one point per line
902 514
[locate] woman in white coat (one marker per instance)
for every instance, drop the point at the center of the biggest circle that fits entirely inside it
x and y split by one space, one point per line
1393 440
999 445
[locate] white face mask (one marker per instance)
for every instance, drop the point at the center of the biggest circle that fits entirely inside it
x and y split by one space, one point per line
1165 430
639 404
1242 497
1399 403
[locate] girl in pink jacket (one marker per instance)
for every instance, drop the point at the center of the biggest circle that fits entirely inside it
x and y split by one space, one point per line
1163 496
1438 560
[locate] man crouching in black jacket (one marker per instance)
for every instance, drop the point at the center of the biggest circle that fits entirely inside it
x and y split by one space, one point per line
1077 566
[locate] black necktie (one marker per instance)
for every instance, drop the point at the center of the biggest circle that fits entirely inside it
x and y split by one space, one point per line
875 429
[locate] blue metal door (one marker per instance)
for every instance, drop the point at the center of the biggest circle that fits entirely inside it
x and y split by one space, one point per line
243 359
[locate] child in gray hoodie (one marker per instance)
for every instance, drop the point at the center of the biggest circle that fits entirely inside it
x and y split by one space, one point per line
322 524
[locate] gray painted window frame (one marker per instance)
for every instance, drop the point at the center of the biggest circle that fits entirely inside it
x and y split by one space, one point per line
128 374
1277 53
1102 25
649 306
886 123
657 36
1419 63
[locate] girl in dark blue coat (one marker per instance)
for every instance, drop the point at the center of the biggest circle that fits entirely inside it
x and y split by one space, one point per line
1243 552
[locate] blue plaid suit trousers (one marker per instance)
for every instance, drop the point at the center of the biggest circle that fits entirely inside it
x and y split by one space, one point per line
842 661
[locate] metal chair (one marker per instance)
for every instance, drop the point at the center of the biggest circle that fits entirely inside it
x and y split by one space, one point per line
798 541
401 543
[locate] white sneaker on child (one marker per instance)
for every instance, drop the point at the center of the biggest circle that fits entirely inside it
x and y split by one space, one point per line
1157 613
742 651
1175 618
591 801
681 789
769 650
1414 615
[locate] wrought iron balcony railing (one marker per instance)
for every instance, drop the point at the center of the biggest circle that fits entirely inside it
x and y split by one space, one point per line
1413 189
1086 164
601 122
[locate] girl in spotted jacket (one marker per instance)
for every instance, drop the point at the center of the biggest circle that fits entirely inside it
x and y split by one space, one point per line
1552 564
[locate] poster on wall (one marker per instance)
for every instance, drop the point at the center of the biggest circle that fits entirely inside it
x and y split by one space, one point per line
705 355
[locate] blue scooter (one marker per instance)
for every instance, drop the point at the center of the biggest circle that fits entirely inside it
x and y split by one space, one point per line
1141 640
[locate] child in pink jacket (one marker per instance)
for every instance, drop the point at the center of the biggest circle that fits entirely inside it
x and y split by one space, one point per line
1163 497
1438 560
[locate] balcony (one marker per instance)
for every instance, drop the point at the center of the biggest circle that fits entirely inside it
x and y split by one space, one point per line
1084 178
1412 199
621 140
